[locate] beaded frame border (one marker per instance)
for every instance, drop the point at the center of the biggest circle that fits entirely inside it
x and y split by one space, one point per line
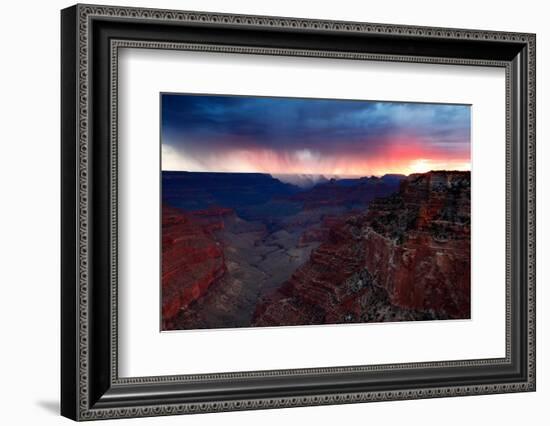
86 13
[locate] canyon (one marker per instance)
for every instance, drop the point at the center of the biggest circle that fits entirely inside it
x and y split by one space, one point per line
242 251
406 258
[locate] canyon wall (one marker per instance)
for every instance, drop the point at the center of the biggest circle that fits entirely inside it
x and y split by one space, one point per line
192 258
407 257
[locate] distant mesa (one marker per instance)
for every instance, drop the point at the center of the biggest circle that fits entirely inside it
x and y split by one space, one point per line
351 193
200 190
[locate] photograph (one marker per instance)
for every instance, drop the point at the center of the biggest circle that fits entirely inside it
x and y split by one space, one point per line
280 211
274 207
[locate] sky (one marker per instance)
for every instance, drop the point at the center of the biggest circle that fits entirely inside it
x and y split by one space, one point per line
311 136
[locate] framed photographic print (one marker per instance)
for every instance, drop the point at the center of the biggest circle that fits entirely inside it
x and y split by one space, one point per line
263 212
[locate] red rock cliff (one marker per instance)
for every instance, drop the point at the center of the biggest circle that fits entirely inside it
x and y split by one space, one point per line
192 259
406 258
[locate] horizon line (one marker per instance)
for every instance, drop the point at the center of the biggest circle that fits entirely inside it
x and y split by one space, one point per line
343 175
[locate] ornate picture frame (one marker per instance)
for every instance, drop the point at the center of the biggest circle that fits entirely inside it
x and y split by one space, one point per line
91 37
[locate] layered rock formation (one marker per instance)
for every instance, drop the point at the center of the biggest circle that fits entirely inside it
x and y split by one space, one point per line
406 258
192 258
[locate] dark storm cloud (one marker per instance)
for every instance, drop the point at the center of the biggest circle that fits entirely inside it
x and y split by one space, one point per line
198 124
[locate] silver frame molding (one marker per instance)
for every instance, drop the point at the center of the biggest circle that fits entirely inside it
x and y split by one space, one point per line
91 389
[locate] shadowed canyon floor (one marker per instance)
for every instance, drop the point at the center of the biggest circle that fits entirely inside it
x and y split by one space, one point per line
243 250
